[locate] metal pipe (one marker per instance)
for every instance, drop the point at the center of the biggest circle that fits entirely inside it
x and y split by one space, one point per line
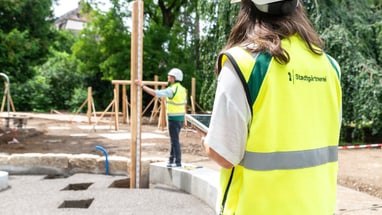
8 90
106 160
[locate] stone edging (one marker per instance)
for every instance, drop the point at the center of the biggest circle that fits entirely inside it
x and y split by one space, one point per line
69 164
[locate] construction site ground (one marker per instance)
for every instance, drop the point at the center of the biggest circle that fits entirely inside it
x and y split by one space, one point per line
359 169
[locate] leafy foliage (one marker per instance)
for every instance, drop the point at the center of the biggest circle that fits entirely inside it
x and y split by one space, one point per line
219 17
25 36
53 86
354 40
169 40
104 50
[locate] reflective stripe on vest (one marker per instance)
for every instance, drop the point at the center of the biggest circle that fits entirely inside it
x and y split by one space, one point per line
289 160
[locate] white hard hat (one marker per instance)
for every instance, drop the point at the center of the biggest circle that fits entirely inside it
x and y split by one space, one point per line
177 73
258 2
274 7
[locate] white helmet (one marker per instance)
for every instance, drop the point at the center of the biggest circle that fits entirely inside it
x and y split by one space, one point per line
177 73
259 2
274 7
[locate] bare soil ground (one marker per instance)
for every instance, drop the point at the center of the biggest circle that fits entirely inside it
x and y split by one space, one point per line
359 169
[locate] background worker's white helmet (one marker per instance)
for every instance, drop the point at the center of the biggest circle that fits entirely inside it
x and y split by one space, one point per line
274 7
177 73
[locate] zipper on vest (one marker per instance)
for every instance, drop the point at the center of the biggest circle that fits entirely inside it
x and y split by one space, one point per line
226 192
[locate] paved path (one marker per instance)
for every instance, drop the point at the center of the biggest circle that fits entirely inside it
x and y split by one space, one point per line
84 194
101 194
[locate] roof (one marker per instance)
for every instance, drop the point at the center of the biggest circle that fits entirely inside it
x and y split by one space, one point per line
73 20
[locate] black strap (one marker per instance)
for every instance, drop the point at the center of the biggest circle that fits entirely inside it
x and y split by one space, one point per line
246 89
239 73
226 192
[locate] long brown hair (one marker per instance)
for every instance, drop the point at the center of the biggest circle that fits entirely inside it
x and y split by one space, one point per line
254 27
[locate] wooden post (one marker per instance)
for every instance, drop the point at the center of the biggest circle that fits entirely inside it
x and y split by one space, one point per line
111 105
7 97
90 102
155 83
192 105
193 95
124 104
116 84
155 111
116 107
193 87
4 97
136 93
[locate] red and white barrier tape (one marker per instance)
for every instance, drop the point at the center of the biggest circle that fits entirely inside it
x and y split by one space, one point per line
361 146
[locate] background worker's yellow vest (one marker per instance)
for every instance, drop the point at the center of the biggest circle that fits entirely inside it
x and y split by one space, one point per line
290 163
176 105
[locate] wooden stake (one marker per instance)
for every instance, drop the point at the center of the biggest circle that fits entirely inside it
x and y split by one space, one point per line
116 107
5 98
193 95
124 104
108 107
90 102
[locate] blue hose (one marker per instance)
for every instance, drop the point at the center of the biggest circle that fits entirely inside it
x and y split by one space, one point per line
106 161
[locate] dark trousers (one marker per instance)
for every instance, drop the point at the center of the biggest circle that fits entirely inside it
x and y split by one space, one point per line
174 128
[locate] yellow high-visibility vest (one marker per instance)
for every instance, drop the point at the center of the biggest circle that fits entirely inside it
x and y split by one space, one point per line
290 163
176 105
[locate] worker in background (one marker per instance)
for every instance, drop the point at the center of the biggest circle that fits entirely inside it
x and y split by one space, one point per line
176 100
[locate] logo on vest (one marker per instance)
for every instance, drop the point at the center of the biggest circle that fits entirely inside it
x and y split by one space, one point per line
306 78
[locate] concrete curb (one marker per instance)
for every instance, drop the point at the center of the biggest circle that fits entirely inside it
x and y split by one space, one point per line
3 180
197 181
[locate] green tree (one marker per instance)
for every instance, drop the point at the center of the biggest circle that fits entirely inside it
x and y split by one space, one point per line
104 50
55 85
354 39
64 41
170 39
104 46
25 36
218 17
54 81
163 40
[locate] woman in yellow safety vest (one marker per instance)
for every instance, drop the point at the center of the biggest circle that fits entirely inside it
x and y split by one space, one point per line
276 118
